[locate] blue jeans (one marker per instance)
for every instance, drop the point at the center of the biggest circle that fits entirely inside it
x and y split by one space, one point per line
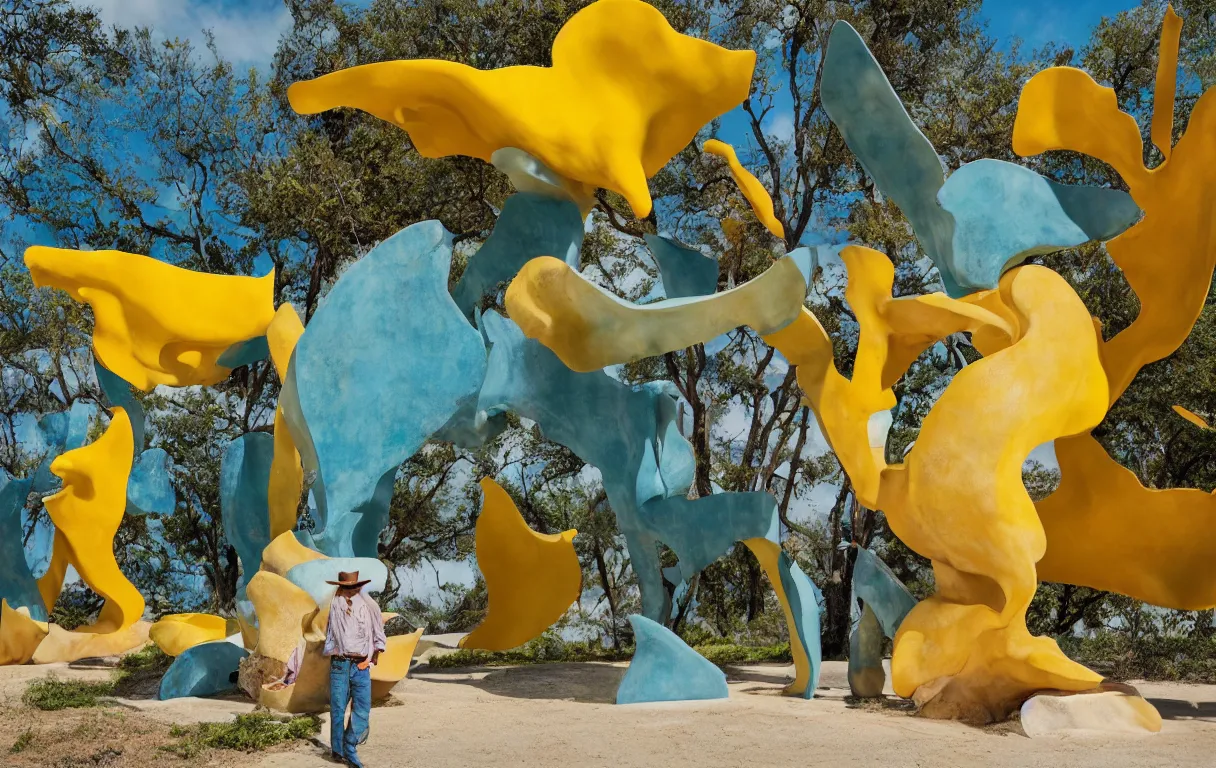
348 685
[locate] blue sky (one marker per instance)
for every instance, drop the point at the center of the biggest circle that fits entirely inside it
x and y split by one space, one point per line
1038 22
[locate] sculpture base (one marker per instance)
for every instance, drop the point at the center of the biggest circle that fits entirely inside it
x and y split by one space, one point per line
1111 708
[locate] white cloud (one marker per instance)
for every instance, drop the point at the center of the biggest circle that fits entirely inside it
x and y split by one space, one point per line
781 127
246 33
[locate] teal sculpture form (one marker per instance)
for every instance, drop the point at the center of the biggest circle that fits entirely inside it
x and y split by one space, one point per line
530 225
150 488
665 668
203 670
244 481
885 603
17 585
313 576
990 215
385 363
684 271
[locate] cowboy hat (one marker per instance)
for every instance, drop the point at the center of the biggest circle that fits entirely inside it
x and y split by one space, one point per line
349 579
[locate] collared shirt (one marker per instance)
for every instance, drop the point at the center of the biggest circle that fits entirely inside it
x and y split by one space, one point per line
356 627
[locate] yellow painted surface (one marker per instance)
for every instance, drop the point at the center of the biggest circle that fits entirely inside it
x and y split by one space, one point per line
394 663
893 332
310 692
531 578
755 193
590 328
19 634
286 471
155 323
1162 129
284 612
768 552
1154 545
604 126
177 632
1064 108
1194 418
284 552
62 646
87 513
958 499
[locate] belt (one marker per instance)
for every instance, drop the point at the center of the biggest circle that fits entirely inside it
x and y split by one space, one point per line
349 657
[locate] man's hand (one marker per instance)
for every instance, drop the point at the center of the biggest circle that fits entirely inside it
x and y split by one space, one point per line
365 664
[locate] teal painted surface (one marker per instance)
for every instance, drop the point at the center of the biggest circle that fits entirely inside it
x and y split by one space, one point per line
876 586
311 576
17 584
118 393
866 674
630 434
874 124
1004 210
245 352
244 480
150 489
992 215
530 225
684 271
203 670
665 668
386 361
805 600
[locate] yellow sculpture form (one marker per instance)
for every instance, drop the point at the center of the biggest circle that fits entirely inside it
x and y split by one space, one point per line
155 323
176 633
604 126
19 634
286 470
753 191
288 617
1194 418
87 513
1064 108
531 578
590 328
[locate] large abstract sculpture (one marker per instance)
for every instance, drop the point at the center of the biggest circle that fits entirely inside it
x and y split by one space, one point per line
392 359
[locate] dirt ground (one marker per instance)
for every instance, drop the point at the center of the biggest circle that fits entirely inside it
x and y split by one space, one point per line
562 715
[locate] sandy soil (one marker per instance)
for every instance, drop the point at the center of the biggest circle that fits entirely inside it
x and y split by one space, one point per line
562 715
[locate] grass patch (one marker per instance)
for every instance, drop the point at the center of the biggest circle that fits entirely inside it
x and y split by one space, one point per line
52 694
24 741
139 673
728 653
247 733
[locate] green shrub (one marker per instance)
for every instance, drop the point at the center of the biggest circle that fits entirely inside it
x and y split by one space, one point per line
549 648
246 733
24 741
141 670
720 653
52 694
1183 658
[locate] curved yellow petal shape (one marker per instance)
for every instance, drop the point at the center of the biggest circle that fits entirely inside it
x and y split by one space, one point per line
177 632
767 553
286 470
284 552
755 193
310 692
1064 108
894 332
531 578
1194 418
87 513
1158 546
1162 129
394 663
155 323
19 634
62 646
284 612
959 500
604 126
589 328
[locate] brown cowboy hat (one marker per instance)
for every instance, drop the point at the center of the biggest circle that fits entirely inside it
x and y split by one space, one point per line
349 579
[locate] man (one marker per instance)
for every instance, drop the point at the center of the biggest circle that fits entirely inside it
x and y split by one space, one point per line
353 643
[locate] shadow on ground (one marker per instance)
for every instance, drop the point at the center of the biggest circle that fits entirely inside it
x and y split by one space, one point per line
584 682
1175 709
